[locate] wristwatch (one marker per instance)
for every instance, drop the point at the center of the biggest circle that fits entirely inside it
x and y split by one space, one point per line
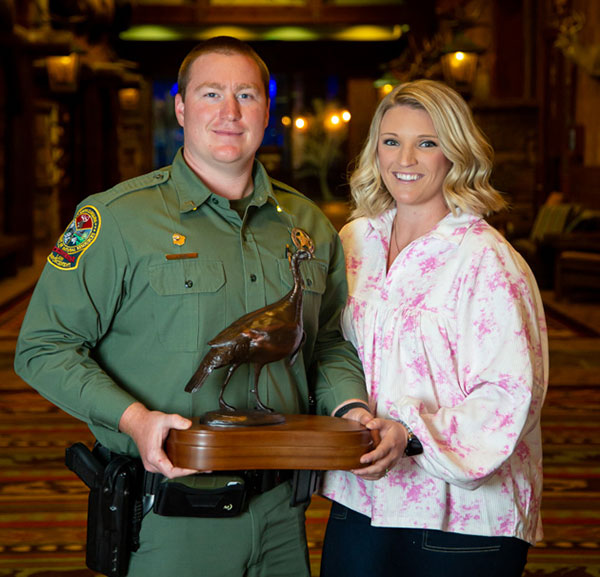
413 445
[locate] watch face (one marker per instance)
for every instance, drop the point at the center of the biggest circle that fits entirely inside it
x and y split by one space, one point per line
413 447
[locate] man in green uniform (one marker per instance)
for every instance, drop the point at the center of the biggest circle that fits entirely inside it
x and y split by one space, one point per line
149 271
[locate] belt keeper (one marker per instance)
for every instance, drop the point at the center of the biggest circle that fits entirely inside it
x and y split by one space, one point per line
151 483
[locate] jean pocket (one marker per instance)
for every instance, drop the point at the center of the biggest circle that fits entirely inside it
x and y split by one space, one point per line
338 512
443 542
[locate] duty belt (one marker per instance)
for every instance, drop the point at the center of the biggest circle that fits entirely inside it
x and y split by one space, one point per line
259 481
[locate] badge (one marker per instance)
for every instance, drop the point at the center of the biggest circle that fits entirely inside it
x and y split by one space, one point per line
79 236
302 241
178 239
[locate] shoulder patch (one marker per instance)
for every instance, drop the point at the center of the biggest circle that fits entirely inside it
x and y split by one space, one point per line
78 237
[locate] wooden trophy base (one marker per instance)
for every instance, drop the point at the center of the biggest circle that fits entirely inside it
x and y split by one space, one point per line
302 442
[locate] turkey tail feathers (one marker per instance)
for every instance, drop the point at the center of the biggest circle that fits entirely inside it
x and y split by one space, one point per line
210 362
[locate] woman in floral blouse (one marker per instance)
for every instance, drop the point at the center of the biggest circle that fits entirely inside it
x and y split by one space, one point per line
449 324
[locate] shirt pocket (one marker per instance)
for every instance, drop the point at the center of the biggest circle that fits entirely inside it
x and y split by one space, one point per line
191 296
314 274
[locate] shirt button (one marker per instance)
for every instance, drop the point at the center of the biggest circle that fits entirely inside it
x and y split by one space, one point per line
253 277
309 282
189 284
215 200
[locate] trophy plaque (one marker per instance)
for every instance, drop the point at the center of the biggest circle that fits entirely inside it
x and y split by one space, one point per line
301 442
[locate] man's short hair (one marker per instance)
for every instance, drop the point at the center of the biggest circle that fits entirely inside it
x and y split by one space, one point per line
220 45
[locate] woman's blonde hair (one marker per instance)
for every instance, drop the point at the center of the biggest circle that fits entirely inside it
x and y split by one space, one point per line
466 185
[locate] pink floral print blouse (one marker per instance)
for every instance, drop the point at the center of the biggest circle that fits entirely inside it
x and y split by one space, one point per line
453 342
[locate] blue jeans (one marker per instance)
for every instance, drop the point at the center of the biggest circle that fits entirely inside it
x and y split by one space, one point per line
353 548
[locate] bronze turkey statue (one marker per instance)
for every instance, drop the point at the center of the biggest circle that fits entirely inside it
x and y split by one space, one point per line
263 336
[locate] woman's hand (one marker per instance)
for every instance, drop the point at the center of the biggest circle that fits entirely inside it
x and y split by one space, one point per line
387 453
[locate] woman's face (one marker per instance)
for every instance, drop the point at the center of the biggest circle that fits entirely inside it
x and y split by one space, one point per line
411 161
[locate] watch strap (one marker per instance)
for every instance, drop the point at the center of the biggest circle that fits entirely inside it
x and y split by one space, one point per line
413 445
348 407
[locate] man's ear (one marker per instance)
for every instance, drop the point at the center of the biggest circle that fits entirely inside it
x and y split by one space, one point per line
267 114
179 109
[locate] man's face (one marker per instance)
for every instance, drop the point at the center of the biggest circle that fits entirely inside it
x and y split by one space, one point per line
225 113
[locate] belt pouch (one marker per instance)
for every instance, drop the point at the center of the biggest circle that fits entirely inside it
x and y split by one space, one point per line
201 496
114 513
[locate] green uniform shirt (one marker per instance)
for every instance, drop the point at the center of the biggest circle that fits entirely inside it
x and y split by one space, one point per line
149 271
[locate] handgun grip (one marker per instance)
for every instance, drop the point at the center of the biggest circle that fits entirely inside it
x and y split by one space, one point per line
84 464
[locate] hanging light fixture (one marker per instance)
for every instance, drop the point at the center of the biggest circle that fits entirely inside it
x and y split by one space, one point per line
63 72
459 63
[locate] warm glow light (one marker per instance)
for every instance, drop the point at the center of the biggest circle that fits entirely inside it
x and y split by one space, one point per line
387 88
300 123
129 98
63 72
359 33
286 120
290 34
459 68
335 119
346 116
368 32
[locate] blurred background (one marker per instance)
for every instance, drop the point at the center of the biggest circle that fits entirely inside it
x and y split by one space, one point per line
87 88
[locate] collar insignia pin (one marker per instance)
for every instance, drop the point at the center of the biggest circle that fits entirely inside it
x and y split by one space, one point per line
178 239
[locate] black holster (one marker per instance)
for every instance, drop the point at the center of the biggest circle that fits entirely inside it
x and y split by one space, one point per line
114 507
304 484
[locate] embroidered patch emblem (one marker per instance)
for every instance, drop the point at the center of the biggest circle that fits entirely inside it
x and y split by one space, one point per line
79 236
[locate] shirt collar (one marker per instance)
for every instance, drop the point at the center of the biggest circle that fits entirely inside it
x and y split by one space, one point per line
451 228
193 192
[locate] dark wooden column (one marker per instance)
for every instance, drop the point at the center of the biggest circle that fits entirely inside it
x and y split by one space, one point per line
18 85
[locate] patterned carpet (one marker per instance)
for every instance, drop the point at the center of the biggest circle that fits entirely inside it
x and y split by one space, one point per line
43 505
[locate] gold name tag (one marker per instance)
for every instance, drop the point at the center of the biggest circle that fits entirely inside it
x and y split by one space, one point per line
182 255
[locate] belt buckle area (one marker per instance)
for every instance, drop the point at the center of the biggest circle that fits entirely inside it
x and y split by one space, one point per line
260 481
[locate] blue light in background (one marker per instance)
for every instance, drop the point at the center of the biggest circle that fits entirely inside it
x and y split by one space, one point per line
273 133
333 87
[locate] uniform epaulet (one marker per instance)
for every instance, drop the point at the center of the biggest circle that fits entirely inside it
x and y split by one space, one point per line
276 184
138 183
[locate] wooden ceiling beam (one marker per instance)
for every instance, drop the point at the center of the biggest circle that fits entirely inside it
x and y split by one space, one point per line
415 14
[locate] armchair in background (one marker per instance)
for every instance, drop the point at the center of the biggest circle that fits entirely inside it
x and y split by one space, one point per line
577 273
553 219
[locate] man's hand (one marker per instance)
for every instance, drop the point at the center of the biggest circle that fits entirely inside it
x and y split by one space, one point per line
149 429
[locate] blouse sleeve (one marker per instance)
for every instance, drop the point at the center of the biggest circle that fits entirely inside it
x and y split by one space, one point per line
500 372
